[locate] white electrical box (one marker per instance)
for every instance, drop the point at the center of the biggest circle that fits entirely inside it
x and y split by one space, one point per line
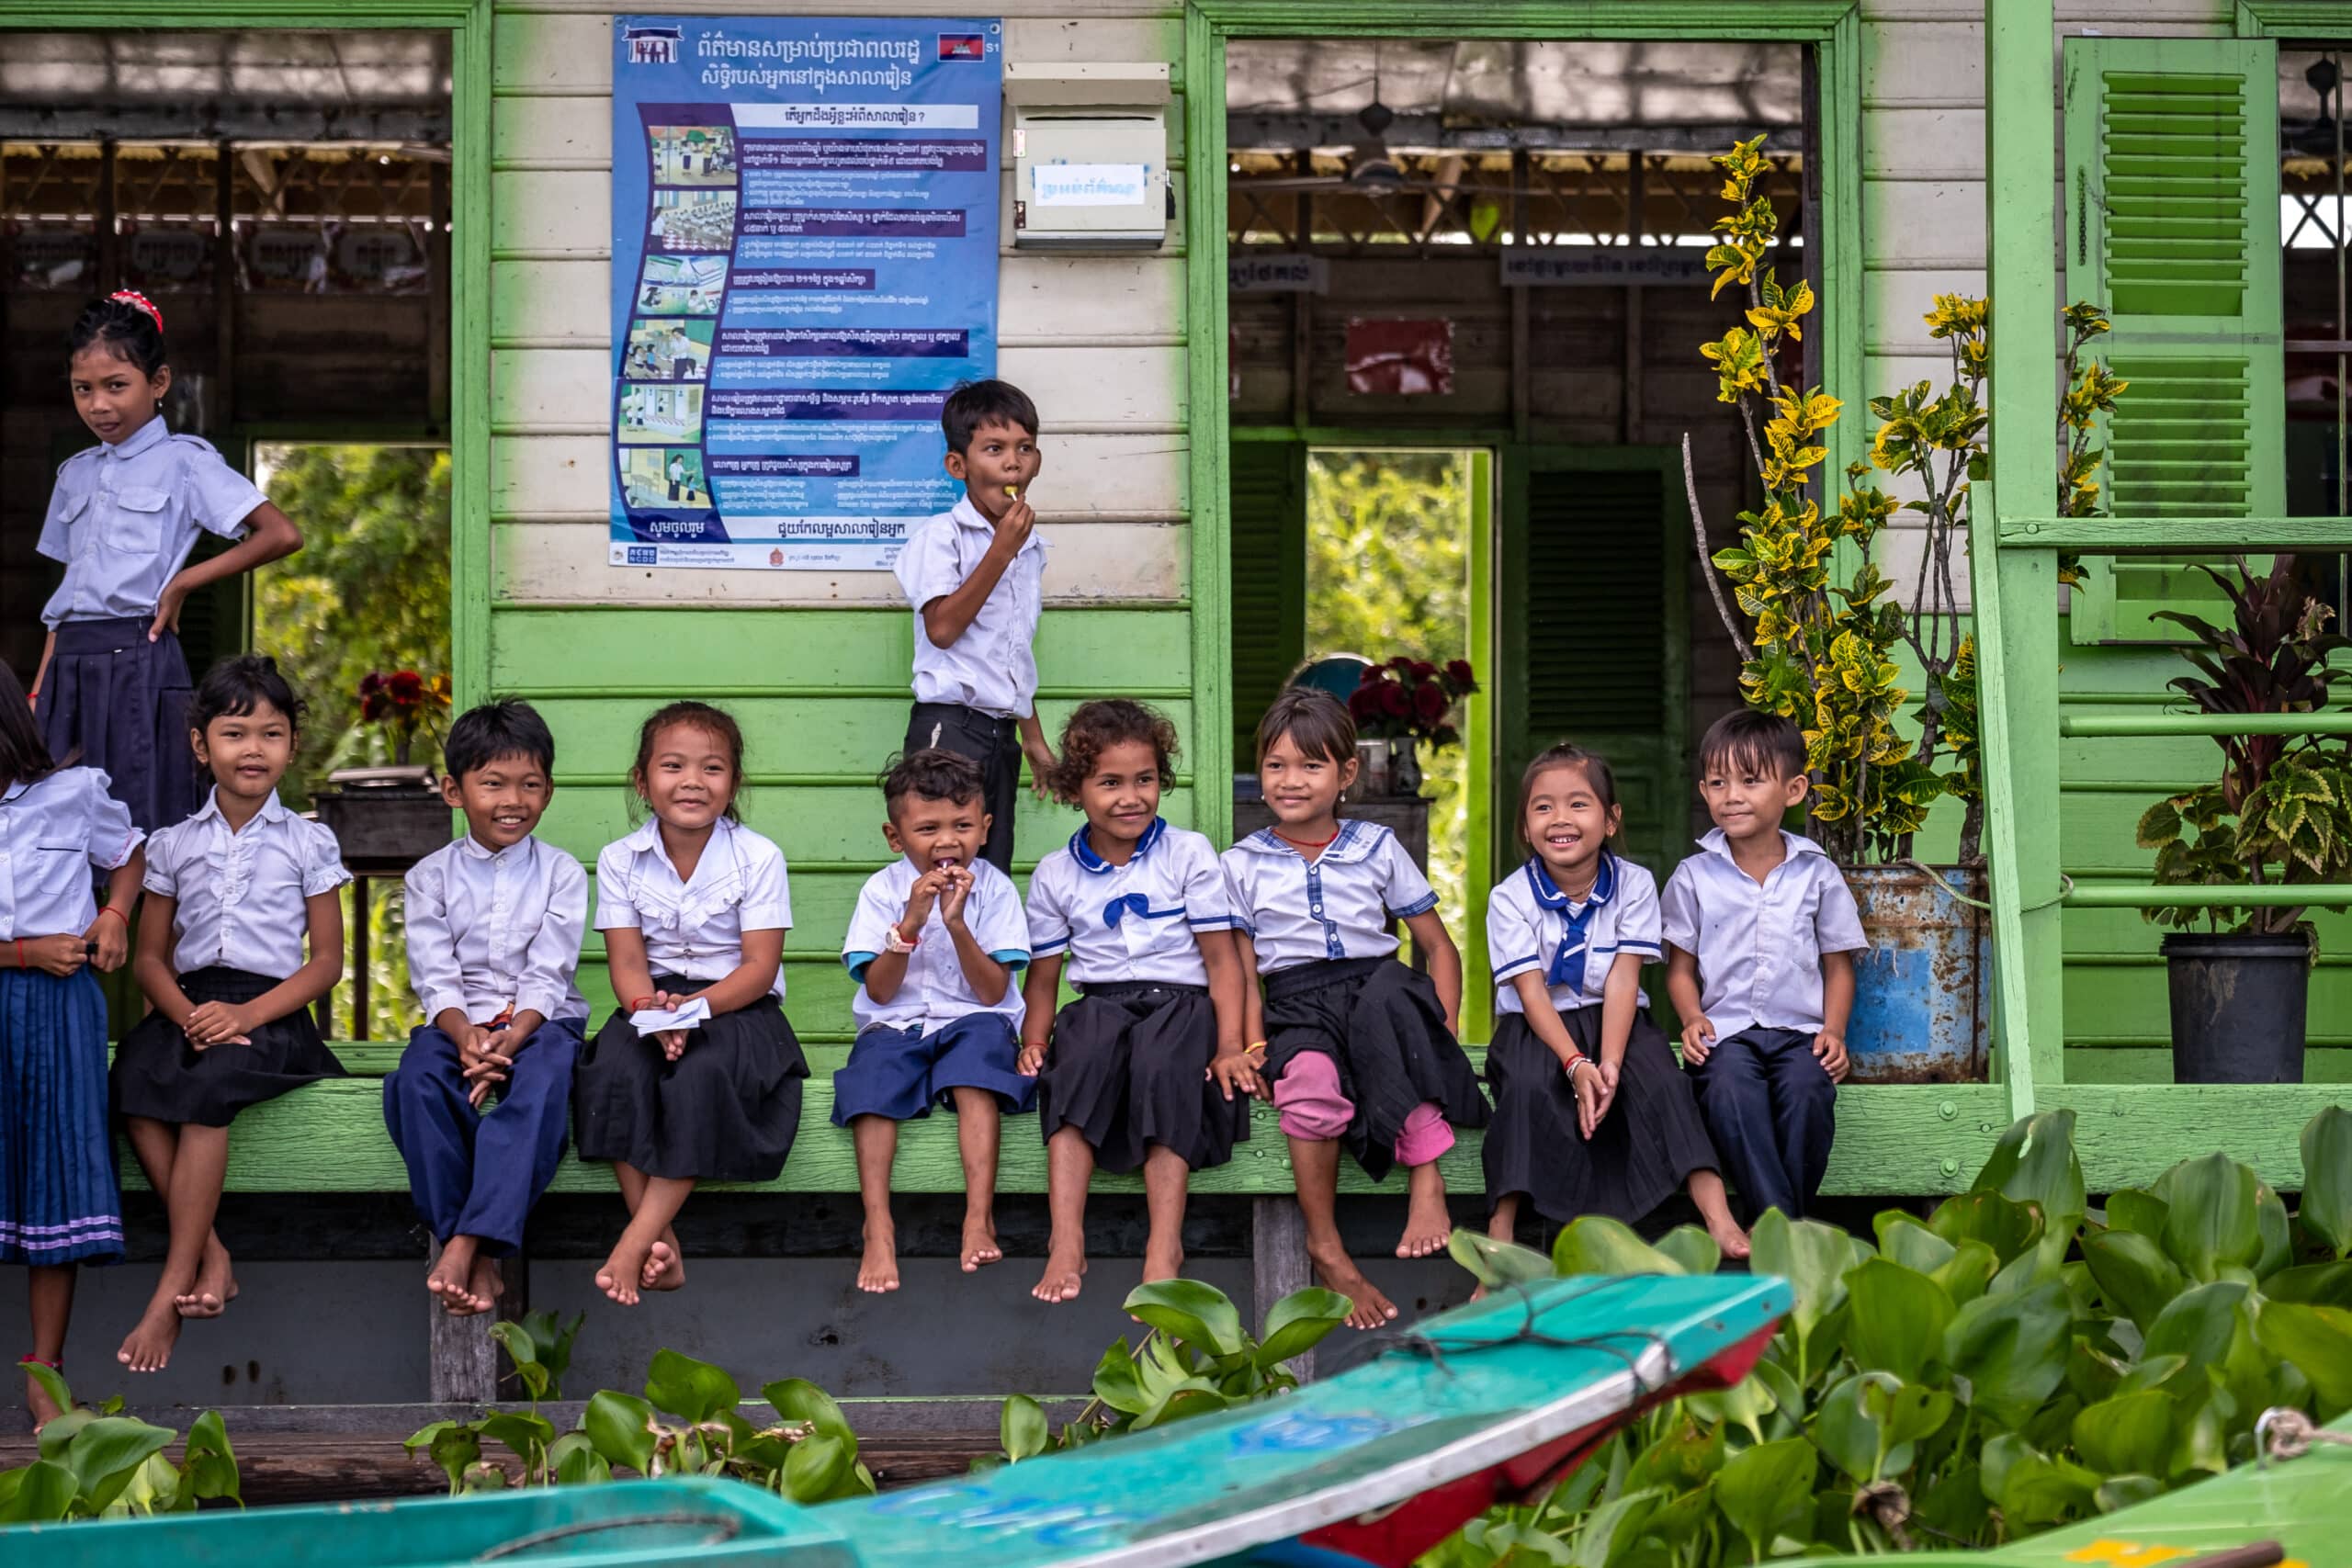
1089 156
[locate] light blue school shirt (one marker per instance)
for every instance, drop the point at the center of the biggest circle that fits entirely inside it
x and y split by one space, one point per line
53 832
123 519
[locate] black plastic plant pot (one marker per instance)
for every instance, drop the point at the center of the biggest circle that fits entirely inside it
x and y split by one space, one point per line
2238 1006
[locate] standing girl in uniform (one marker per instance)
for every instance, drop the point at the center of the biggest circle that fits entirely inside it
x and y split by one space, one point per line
1145 1069
1360 1047
691 905
58 1202
113 687
1568 933
231 892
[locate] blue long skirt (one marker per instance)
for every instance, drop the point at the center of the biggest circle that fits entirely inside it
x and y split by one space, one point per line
58 1199
113 700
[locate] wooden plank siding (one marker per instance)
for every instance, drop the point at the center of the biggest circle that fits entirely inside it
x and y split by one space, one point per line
814 664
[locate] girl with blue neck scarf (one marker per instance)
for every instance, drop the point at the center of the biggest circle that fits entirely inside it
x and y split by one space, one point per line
1591 1115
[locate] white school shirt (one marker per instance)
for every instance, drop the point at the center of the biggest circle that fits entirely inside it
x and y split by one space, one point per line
1336 906
123 519
493 929
1533 926
1760 946
694 927
242 896
993 666
51 832
1131 923
934 993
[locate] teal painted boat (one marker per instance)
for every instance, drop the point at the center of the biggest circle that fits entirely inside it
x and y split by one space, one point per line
1377 1464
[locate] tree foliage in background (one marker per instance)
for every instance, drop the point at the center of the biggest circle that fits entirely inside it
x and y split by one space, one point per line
1388 572
369 591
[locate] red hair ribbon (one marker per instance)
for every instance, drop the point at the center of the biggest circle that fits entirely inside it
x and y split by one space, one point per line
139 301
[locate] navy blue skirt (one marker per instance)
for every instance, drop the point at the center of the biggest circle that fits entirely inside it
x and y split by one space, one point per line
1128 1068
725 1110
113 700
58 1199
158 1075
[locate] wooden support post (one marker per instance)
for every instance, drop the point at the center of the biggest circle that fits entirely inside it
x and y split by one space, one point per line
1278 1263
223 412
109 242
2016 589
359 957
438 314
1630 393
463 1357
1302 304
1522 379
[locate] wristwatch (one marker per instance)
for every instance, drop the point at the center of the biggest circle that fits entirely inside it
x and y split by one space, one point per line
899 942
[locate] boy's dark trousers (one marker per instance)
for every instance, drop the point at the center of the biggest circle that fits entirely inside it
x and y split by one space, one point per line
1771 1111
479 1172
995 744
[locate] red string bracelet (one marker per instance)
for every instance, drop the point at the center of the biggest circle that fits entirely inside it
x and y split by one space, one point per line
640 1004
118 914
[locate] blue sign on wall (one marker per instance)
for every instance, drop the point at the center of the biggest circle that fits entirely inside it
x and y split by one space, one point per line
804 262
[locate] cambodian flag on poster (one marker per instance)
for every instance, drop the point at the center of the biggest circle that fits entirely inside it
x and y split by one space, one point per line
804 262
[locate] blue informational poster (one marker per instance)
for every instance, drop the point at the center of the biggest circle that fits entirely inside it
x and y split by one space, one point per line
804 262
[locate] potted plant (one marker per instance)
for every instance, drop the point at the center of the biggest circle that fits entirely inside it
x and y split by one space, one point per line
388 818
1828 655
1404 705
2279 814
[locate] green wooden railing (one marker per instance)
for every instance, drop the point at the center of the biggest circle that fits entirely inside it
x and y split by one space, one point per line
2015 586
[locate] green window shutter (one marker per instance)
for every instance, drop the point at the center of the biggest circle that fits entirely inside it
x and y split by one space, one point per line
2172 223
1267 540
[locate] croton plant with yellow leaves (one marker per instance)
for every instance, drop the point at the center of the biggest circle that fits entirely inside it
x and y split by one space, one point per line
1826 653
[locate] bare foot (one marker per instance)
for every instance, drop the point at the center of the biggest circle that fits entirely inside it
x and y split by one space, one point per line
1337 1270
1730 1240
878 1270
1428 1225
450 1272
665 1270
215 1287
483 1282
622 1271
1065 1273
1162 1262
979 1243
44 1409
149 1348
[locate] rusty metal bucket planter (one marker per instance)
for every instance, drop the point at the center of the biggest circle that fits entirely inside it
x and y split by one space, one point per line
1923 993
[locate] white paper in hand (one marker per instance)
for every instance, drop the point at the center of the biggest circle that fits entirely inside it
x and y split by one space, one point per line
692 1014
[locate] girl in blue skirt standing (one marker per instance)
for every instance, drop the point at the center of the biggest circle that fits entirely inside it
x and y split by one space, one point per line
59 1206
113 687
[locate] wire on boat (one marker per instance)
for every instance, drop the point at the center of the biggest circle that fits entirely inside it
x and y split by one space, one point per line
2284 1432
1412 1342
722 1528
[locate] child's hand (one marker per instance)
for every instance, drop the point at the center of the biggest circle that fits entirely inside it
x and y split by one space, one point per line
1591 1095
1018 521
217 1023
955 891
1031 1059
1830 1047
1698 1040
59 955
922 898
1238 1070
167 609
673 1043
1042 762
110 933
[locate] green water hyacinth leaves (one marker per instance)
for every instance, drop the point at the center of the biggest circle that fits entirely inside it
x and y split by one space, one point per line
2011 1360
97 1464
2327 1182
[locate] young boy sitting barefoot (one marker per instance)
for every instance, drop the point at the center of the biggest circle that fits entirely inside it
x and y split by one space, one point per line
495 925
935 944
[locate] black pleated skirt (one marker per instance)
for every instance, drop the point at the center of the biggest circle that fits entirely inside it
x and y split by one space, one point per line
1642 1153
158 1075
1129 1068
1382 1025
113 700
727 1110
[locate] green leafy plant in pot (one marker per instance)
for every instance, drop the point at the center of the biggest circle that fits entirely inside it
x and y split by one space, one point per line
2279 815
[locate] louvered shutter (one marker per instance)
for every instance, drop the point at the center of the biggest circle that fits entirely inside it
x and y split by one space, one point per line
2172 223
1605 622
1267 543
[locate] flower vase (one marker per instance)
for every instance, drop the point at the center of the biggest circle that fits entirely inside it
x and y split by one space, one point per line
399 753
1372 770
1404 767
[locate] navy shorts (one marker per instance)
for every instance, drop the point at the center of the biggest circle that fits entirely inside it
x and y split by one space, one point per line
902 1073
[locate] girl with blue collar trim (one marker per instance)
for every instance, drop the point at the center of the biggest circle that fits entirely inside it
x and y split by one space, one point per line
1147 1068
113 689
1568 935
59 1205
1359 1049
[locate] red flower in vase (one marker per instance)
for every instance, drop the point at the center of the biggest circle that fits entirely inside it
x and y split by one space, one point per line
1429 704
1459 671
